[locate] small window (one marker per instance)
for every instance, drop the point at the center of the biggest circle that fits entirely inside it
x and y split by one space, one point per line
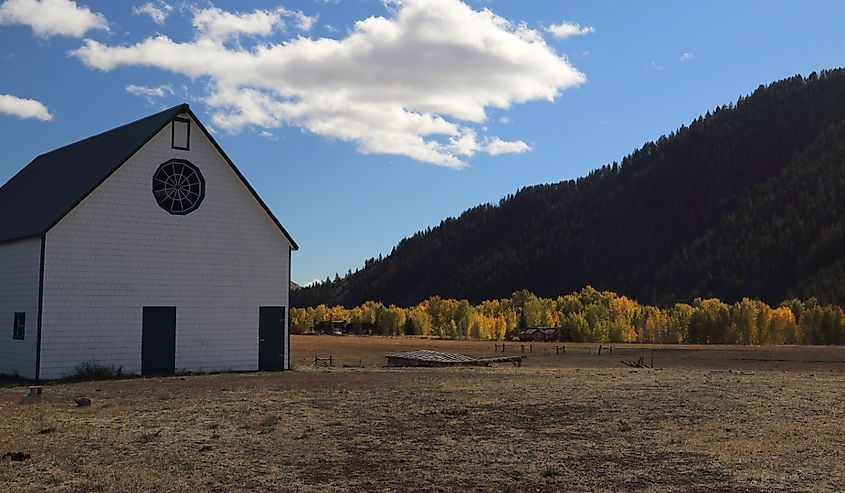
180 134
19 330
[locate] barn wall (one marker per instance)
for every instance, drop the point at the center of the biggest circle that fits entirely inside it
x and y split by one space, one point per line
118 251
20 265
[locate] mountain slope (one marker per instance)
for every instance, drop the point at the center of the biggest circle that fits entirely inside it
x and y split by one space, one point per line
745 201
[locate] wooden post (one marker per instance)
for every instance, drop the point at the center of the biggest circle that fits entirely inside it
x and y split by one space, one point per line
34 396
522 347
530 348
611 350
557 350
564 349
330 360
652 358
599 353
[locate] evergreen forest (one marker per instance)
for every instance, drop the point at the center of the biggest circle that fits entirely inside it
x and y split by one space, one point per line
747 202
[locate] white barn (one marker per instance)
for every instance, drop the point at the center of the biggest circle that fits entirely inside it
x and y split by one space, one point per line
143 248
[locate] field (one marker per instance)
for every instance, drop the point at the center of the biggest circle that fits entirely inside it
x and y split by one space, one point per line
706 419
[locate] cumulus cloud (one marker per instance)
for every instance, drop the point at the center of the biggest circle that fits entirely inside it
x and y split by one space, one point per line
498 146
568 29
412 83
304 22
219 26
685 57
23 108
150 93
52 17
158 12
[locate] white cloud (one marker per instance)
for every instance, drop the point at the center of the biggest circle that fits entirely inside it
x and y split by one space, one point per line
305 22
498 146
150 93
465 144
52 17
412 84
23 108
158 12
220 26
685 57
267 135
568 29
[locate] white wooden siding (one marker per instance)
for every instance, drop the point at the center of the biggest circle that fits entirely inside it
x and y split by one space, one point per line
118 251
20 265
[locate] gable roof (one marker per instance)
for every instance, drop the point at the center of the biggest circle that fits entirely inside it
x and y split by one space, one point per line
54 183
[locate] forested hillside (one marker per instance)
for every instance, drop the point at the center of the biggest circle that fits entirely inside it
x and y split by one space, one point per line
746 201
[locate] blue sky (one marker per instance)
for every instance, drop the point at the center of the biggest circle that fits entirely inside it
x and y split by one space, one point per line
361 122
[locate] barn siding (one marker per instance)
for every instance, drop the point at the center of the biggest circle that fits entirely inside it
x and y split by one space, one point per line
20 264
118 251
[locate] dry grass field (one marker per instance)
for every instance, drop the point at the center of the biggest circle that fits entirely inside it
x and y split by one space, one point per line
708 419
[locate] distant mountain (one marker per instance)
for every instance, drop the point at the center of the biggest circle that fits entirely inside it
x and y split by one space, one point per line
748 200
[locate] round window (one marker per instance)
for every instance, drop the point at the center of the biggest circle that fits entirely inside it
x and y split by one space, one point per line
178 187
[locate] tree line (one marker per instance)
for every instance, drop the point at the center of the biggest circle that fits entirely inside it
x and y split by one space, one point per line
590 315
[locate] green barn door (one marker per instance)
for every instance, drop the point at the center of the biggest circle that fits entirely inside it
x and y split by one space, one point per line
271 338
158 340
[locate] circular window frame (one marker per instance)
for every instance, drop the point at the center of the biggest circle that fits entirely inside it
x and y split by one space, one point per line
165 174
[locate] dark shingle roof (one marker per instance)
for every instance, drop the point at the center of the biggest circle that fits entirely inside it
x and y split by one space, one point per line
49 187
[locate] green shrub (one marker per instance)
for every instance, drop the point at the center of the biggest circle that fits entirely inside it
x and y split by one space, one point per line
91 370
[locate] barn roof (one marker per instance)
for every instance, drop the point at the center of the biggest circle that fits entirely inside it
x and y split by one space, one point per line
54 183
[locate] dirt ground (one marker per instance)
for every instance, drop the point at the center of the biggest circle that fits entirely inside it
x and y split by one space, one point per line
708 419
